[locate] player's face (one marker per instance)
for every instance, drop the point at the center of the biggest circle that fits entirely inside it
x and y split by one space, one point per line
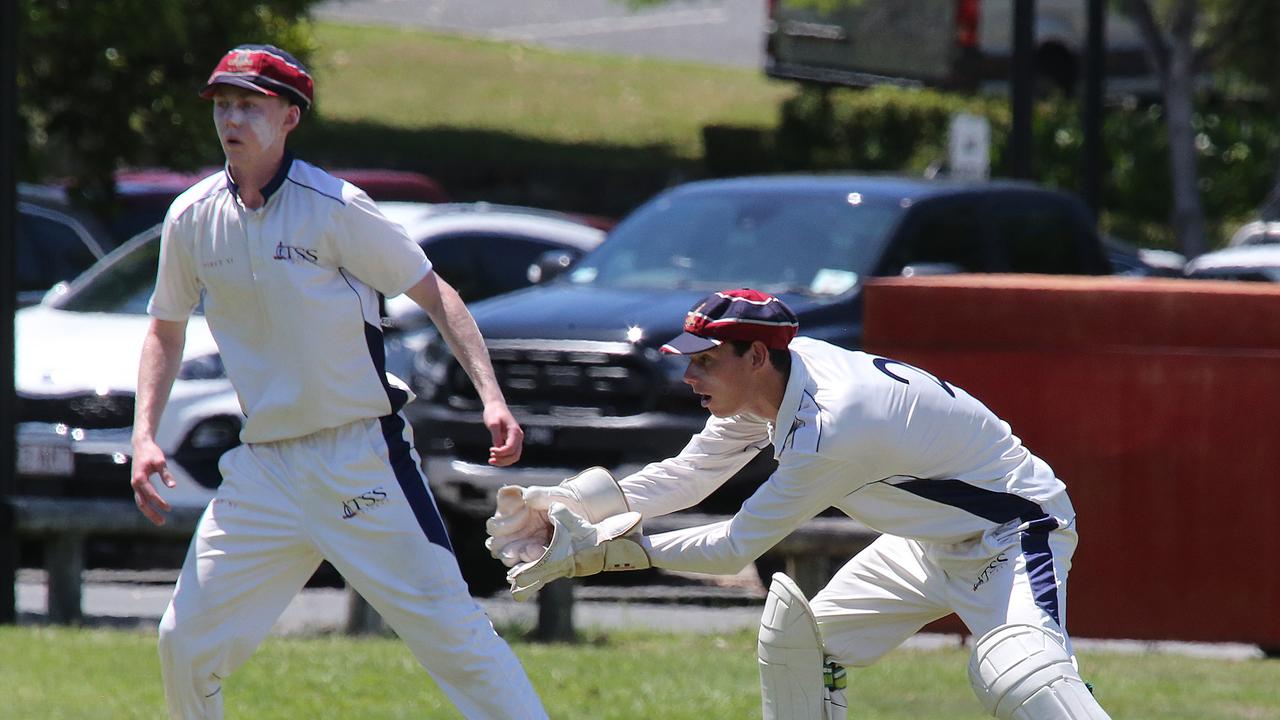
251 123
723 380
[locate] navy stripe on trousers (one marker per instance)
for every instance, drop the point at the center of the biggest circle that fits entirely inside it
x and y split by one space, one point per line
412 482
1000 508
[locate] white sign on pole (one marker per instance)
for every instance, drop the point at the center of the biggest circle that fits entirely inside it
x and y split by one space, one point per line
969 147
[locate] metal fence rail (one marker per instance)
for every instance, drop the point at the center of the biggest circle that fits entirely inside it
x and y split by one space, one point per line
62 525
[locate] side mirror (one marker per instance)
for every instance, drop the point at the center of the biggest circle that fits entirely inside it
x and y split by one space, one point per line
550 264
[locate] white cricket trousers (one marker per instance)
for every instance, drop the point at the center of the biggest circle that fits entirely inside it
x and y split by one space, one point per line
896 586
354 496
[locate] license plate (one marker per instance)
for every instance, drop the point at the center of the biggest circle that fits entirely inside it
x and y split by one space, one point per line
51 460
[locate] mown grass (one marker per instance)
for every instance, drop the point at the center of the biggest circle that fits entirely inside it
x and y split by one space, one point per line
414 80
54 673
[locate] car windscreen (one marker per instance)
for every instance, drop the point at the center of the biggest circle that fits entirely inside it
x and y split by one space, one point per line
815 244
120 283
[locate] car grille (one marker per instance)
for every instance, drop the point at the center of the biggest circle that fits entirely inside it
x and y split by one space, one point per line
90 411
583 379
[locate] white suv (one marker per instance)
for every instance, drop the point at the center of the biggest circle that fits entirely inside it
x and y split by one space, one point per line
76 370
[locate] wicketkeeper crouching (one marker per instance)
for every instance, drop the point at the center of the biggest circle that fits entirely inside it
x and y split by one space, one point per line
971 522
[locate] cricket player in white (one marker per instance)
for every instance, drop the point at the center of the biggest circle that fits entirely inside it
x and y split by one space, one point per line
971 521
289 263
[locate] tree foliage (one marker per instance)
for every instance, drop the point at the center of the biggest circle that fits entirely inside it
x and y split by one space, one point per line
105 84
1184 38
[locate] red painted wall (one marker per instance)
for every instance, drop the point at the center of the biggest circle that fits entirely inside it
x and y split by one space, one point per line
1157 402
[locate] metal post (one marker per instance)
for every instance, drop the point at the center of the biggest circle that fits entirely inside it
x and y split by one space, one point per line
1022 79
64 562
9 143
1094 79
555 612
362 619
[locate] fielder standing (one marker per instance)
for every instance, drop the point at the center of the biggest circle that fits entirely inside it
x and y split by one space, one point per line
289 263
971 521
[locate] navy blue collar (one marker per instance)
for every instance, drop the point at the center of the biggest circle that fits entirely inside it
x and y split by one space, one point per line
282 173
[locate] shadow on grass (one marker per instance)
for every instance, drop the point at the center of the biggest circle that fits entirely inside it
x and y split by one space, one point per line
500 167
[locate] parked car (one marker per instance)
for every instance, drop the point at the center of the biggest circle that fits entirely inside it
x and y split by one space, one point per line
1259 263
78 351
143 195
1128 259
56 242
955 44
76 368
482 250
1258 232
578 358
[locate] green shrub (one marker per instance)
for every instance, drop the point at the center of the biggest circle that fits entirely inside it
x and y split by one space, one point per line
905 130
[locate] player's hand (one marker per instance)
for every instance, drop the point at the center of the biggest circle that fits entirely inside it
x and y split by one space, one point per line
148 460
519 529
517 532
508 438
579 548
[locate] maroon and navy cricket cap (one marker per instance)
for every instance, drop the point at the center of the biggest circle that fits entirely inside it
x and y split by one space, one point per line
266 69
729 315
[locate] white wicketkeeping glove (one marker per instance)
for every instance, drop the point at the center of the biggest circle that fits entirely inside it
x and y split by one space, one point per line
519 530
579 548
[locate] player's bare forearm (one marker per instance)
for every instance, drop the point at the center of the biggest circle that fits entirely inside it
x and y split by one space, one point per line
451 317
458 328
157 369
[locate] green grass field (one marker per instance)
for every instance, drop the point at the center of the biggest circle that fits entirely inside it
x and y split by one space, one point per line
415 80
54 674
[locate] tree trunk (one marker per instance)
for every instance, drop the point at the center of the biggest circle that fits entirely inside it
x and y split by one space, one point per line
1188 213
1175 63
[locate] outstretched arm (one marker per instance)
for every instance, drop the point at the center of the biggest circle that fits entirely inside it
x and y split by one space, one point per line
157 369
458 328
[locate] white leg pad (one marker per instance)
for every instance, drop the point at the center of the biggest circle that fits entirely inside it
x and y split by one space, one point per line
790 655
1021 672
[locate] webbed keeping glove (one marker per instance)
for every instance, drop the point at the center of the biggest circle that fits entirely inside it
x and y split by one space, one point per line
579 548
519 530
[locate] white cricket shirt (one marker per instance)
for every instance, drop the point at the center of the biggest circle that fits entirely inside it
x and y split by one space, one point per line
890 445
290 293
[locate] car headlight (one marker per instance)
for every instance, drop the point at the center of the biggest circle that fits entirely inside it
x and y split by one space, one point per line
204 367
430 366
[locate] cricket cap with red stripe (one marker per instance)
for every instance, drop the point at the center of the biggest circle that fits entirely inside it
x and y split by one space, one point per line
735 315
266 69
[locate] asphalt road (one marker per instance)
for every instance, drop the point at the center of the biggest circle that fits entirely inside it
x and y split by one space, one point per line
720 32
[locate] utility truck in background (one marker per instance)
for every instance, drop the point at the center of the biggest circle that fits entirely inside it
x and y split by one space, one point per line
962 45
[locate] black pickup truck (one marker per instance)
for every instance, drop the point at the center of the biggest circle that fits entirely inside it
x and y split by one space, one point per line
578 359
